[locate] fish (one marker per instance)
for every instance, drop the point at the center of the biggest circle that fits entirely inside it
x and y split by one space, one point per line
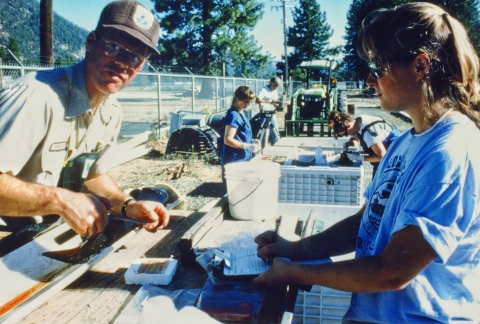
92 245
118 226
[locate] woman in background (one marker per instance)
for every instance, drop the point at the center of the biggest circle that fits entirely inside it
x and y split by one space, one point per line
374 134
237 144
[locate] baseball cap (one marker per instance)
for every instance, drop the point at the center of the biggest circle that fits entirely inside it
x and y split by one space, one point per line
133 18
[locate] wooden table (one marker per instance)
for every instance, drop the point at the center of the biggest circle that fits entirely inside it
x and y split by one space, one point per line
100 295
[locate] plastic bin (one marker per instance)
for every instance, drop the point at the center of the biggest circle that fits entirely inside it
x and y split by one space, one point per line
322 185
193 120
321 305
176 118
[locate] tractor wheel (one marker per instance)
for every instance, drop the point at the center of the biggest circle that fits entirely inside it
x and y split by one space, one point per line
342 101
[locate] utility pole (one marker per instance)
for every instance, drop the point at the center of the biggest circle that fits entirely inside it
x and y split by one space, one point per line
46 32
284 8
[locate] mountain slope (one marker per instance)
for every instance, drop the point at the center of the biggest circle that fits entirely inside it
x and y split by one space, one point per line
20 19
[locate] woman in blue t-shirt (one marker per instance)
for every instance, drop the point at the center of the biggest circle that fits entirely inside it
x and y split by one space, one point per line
417 237
237 144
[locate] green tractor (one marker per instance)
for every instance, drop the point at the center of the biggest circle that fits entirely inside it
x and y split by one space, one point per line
308 113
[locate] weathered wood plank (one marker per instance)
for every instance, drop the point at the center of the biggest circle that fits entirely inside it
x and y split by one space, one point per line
208 222
100 294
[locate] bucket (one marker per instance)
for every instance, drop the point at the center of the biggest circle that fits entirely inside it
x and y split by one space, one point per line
252 189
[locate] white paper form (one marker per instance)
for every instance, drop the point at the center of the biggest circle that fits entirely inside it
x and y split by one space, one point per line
244 262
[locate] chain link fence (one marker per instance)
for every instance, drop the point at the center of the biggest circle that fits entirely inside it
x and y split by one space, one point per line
152 97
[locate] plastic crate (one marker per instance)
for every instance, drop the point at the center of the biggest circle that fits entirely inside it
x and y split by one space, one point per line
321 305
193 120
176 118
321 185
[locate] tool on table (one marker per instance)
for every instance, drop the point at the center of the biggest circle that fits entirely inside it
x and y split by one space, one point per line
92 245
68 235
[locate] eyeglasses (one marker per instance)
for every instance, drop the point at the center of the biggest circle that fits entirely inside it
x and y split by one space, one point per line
117 51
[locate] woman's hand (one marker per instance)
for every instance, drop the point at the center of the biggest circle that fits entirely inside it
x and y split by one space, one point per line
281 272
271 245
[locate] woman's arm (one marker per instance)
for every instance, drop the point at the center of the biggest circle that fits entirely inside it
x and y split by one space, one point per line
406 255
338 239
229 138
379 150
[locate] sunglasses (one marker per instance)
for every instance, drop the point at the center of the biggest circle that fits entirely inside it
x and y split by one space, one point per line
117 51
377 68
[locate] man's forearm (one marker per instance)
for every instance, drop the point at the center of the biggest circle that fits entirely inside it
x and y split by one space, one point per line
103 185
20 198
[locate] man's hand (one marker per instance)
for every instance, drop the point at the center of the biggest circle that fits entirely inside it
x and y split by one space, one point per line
149 211
85 214
280 273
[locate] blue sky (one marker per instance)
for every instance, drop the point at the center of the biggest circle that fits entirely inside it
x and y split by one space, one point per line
268 32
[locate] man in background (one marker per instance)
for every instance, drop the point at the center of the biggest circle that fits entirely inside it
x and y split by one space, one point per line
268 100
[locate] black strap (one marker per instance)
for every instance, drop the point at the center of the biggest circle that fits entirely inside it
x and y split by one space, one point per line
372 132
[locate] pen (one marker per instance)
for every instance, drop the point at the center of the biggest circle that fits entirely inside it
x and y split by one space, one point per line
274 237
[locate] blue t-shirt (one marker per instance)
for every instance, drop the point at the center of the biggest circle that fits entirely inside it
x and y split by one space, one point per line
244 134
430 180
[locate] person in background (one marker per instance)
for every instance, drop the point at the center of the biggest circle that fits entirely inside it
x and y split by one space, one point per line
58 128
374 134
268 98
237 144
417 238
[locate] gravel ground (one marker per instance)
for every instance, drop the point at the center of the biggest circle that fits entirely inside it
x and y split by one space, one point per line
201 181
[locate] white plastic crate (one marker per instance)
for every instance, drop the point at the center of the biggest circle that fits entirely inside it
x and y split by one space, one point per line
321 185
177 115
321 305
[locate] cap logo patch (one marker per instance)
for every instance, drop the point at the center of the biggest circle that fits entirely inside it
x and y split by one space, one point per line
143 18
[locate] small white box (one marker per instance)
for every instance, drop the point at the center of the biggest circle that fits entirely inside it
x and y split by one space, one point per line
158 271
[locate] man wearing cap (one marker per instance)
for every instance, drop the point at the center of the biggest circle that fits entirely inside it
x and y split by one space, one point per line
58 128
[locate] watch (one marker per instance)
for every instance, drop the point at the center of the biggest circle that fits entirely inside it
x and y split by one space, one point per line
124 206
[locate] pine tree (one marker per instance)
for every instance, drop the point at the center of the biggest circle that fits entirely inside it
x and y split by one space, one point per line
204 34
3 53
309 35
466 11
14 48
